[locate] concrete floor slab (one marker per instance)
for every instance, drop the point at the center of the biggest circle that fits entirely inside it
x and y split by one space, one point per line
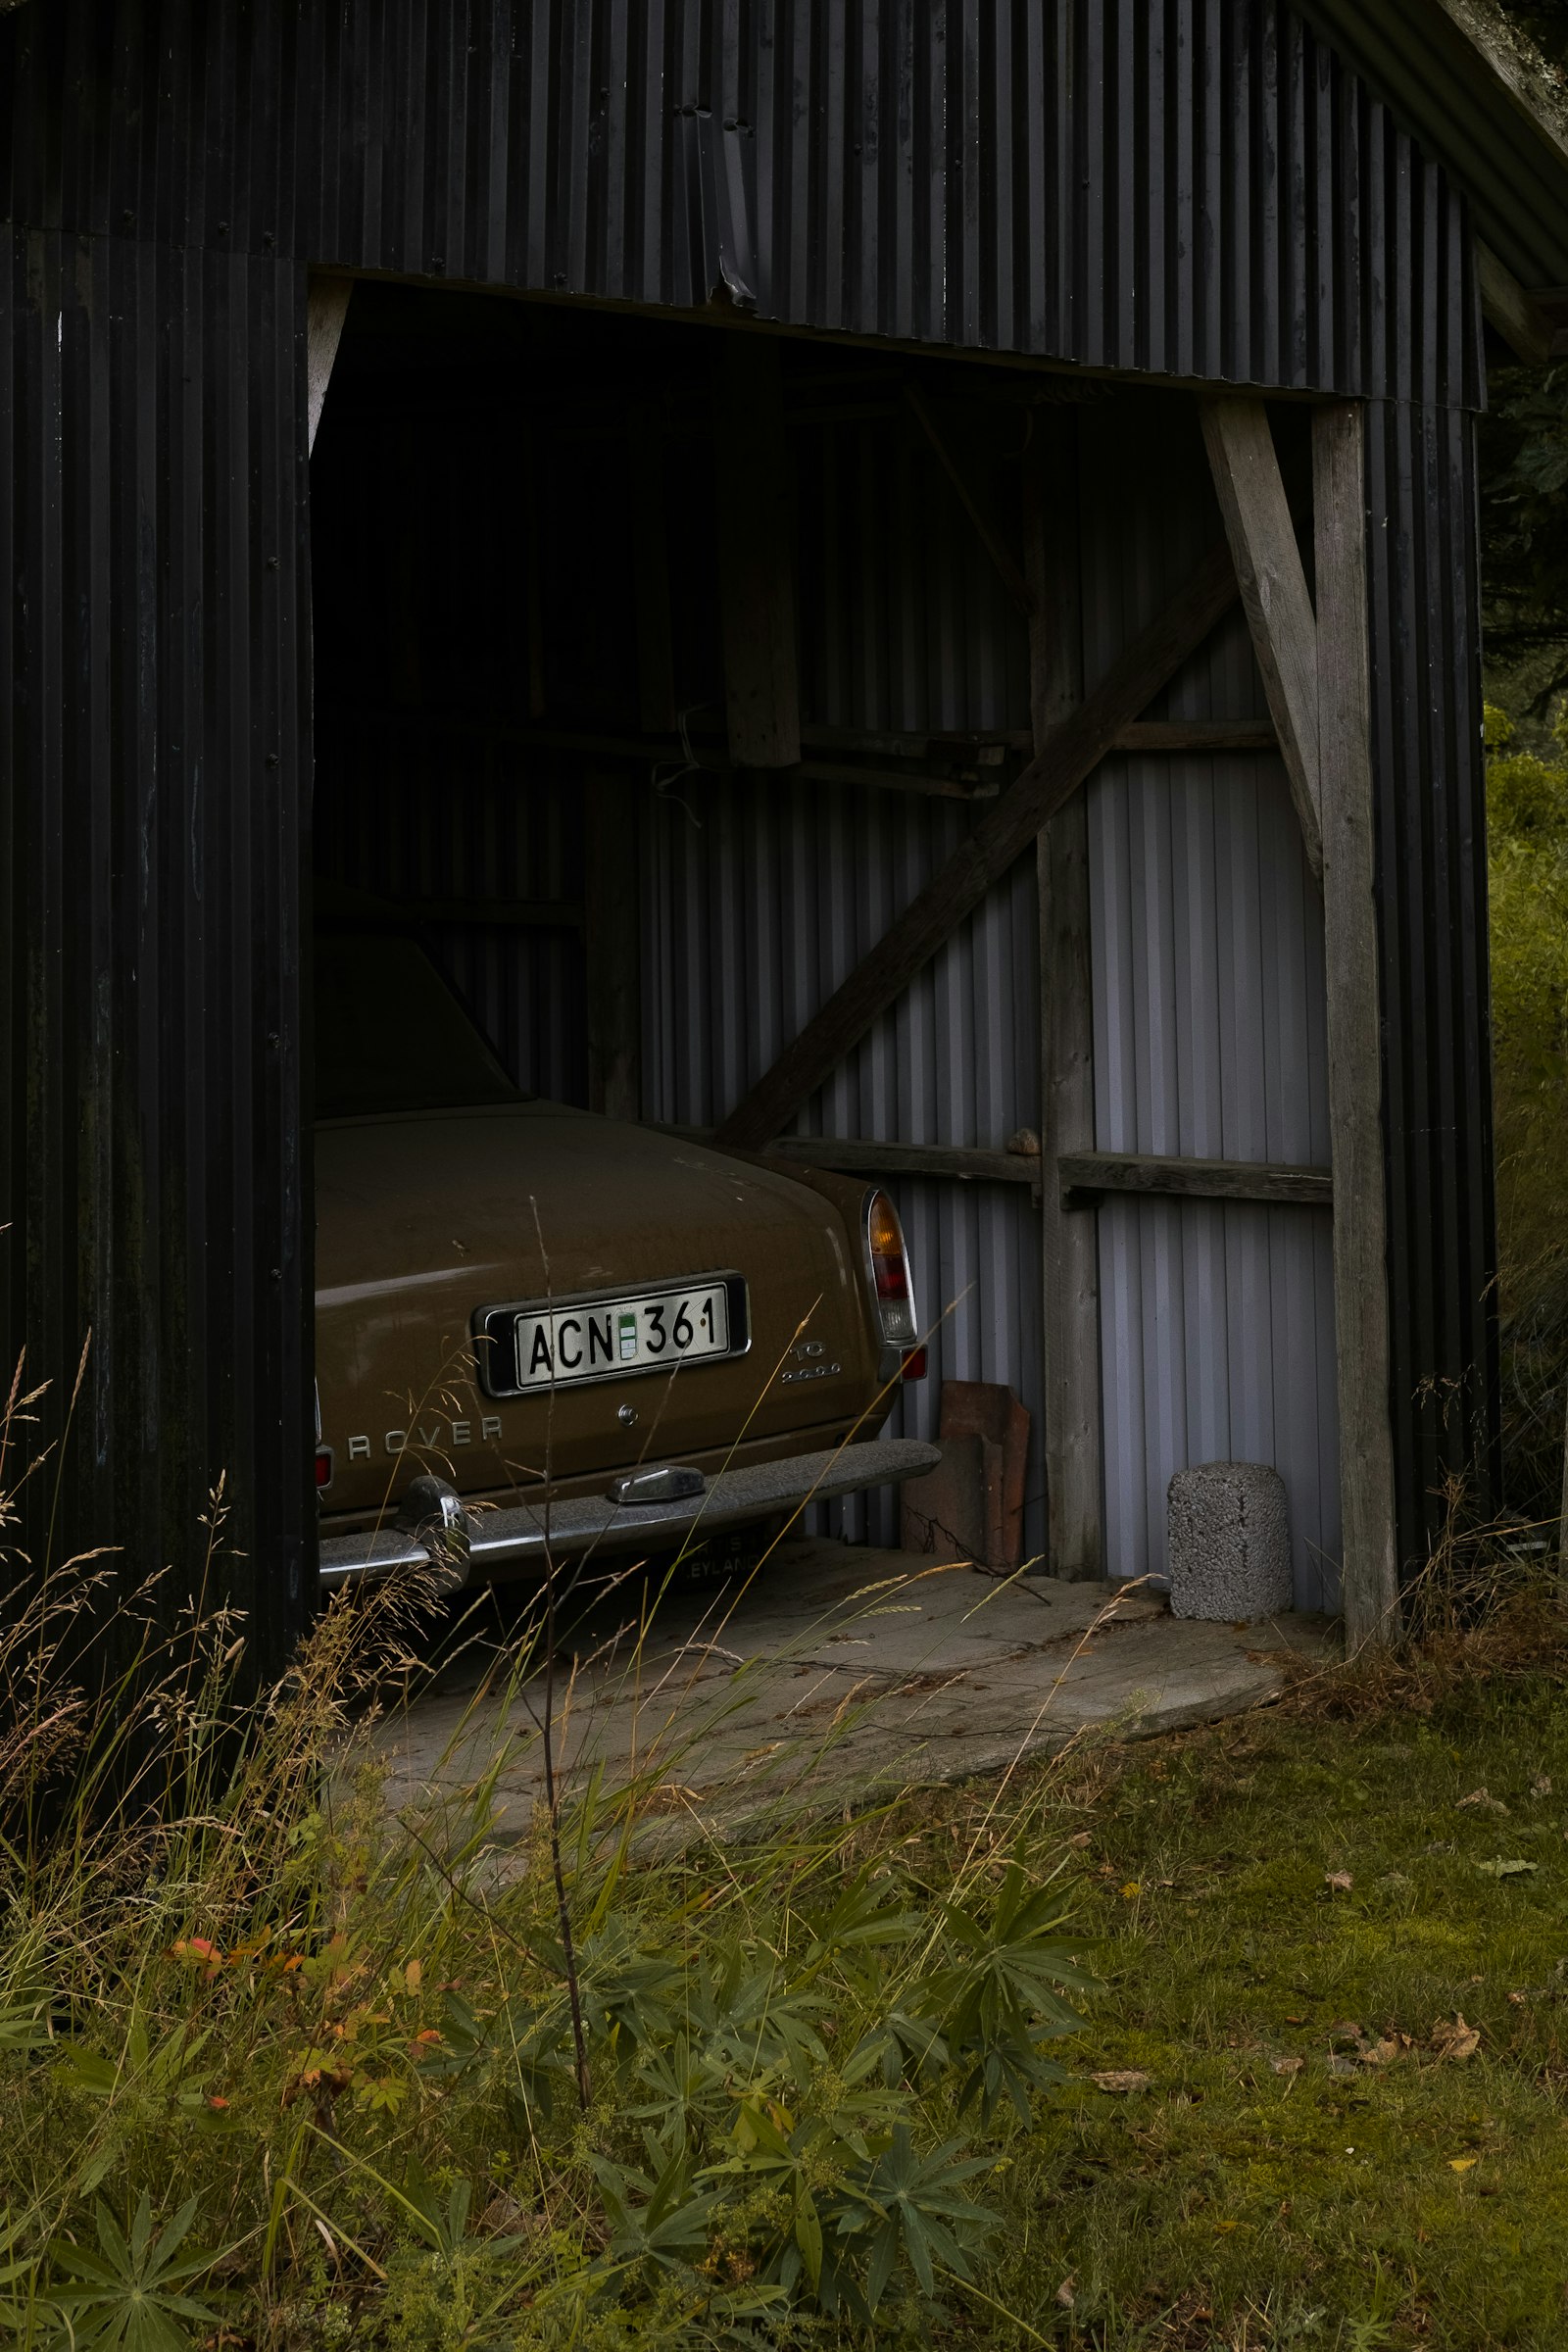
834 1674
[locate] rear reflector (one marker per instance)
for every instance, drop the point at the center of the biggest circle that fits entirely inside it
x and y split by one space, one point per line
914 1364
324 1468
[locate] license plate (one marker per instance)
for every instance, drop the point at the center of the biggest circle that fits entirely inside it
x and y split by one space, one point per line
540 1347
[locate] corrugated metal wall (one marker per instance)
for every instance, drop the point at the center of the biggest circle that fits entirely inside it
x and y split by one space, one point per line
1207 931
154 671
1194 188
1431 802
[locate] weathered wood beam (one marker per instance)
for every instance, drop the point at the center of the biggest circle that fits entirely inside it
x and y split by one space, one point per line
1199 735
755 553
990 537
327 308
1074 749
857 1156
1069 1244
1274 592
1371 1582
1193 1179
1517 317
612 945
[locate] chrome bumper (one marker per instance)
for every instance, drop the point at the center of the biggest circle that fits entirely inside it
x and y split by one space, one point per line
456 1542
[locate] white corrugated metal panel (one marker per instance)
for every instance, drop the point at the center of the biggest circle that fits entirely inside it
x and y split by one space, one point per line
760 899
1210 1043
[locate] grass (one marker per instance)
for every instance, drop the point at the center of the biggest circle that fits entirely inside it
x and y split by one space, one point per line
1280 2181
356 2059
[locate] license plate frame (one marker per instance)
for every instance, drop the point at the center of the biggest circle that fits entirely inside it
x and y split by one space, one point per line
503 1334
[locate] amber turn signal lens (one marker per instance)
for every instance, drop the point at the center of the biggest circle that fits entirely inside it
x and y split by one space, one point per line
886 1237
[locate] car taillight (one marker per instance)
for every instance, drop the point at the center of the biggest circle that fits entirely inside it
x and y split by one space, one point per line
889 1263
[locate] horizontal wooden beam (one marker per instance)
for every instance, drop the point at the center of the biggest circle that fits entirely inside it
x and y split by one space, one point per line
1193 1179
1199 735
983 780
853 1156
1073 751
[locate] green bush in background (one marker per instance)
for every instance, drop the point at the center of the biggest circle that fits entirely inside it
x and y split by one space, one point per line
1527 817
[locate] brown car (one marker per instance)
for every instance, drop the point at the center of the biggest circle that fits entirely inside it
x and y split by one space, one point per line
539 1332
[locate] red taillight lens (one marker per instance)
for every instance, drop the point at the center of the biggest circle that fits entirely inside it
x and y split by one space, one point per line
889 1263
324 1468
914 1364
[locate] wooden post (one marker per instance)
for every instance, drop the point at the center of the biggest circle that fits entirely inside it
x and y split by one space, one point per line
1371 1590
755 553
612 945
1069 1237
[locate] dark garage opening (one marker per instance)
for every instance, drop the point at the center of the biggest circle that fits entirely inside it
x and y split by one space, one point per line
529 524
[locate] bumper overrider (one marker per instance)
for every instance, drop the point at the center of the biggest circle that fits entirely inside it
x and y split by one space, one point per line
652 1509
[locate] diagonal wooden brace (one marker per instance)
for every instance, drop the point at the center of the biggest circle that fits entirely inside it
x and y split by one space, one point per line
1073 751
1274 592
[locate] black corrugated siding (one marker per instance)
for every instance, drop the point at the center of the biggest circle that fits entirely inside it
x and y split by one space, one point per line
1431 874
154 671
1192 188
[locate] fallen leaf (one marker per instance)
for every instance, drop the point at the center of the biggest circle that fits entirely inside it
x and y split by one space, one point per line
1120 2079
1287 2066
1385 2049
1483 1800
1541 1786
1341 2066
1065 2294
1513 1868
1460 2164
1518 1999
1338 1881
1451 2037
1081 1838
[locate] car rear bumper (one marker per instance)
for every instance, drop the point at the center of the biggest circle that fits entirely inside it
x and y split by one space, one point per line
533 1534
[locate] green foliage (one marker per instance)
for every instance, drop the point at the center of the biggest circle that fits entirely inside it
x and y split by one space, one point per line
128 2294
1527 812
761 2093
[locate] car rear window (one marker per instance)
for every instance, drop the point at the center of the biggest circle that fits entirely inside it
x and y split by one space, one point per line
391 1036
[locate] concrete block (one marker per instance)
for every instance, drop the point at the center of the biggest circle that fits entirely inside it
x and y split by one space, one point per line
1229 1538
